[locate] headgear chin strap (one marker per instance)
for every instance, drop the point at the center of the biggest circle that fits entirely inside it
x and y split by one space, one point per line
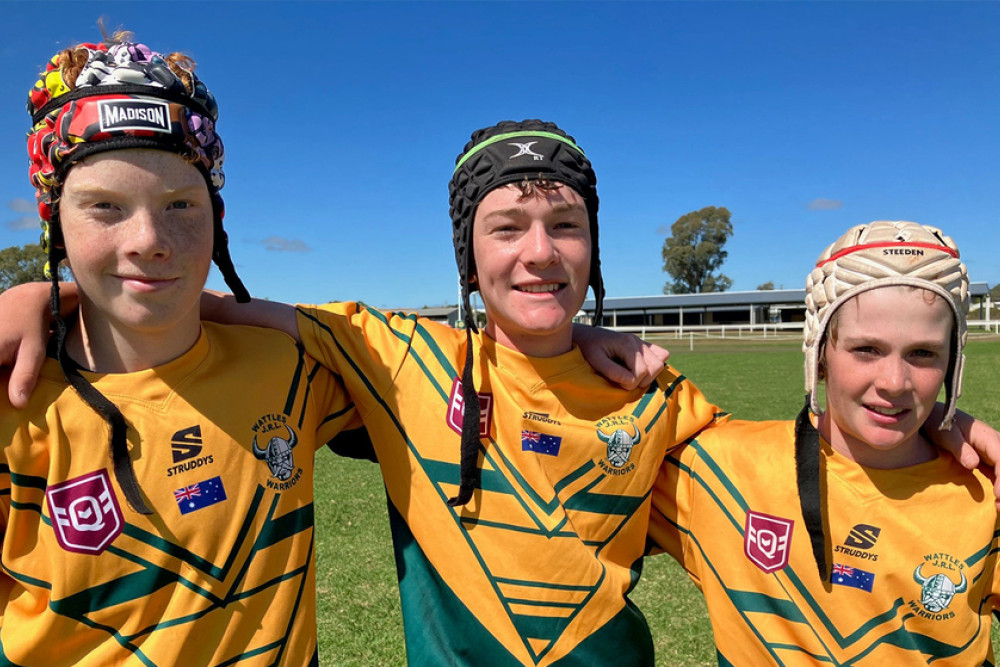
123 96
867 257
506 153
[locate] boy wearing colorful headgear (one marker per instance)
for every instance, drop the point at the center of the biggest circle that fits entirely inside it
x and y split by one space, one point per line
834 538
149 516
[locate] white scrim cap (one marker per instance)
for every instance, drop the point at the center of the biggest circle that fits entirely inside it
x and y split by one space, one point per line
883 254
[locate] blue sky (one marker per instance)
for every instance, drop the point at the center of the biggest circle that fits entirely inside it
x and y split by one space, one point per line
342 122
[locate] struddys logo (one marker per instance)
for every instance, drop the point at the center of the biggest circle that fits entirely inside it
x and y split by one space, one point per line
86 516
134 114
860 542
766 540
941 577
273 442
620 434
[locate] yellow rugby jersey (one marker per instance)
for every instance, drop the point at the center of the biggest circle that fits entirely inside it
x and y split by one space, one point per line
223 572
537 568
912 553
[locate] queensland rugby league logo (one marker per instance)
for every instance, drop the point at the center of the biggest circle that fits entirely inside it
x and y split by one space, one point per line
86 516
620 435
274 442
766 540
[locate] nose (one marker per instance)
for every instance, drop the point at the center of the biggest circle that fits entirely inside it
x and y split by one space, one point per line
146 235
540 250
893 376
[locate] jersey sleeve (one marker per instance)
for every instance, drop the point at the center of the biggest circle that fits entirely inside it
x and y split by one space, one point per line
333 410
355 341
673 507
694 412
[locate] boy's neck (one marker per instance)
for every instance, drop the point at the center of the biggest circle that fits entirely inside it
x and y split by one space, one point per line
915 450
101 347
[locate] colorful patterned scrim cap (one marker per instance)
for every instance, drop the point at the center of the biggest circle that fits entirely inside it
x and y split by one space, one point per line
125 96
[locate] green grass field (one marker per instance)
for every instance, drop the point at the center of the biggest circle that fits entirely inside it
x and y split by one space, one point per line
358 616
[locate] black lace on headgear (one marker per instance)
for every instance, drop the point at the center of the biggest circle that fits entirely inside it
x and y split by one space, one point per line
508 152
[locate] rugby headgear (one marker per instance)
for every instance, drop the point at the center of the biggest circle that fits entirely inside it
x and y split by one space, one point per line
881 254
867 257
102 97
509 152
123 96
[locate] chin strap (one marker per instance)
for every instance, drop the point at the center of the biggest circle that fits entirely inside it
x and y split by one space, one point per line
118 440
807 478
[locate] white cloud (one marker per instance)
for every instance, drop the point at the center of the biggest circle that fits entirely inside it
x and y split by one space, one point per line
281 244
22 223
21 205
823 204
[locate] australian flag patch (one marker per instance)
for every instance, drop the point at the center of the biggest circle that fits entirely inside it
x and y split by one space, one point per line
542 443
199 495
844 575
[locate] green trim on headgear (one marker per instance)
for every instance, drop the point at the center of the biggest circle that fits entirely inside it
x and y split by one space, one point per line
510 135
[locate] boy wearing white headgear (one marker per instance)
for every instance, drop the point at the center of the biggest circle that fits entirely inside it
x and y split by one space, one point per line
832 538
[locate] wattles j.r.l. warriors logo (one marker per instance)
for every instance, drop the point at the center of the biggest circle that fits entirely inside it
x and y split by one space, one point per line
273 442
620 433
936 576
86 516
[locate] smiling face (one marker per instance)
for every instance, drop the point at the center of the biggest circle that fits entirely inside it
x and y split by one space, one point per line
138 229
532 256
884 364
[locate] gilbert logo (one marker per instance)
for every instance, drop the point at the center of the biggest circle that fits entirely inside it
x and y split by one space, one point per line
525 149
456 410
766 540
86 517
134 114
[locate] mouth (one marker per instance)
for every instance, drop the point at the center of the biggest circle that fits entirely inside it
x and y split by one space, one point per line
887 411
146 283
540 288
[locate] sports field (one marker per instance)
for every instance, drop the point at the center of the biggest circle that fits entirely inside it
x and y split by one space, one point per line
359 621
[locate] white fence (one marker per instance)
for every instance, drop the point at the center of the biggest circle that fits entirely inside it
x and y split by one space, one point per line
769 331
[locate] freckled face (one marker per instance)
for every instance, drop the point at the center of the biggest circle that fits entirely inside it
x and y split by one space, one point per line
532 266
884 372
138 228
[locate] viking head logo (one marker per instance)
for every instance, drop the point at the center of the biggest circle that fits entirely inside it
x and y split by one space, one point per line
620 445
278 454
938 590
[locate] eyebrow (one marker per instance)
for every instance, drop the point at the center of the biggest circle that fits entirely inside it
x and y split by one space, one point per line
97 189
517 211
866 340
